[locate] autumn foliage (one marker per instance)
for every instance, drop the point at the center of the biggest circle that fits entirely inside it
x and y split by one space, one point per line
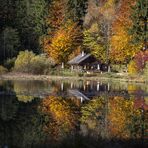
55 17
63 43
112 117
121 117
138 63
122 51
113 31
60 114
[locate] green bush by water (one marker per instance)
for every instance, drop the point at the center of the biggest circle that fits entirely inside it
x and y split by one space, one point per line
118 68
28 62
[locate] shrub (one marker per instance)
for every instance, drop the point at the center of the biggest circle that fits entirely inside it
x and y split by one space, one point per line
3 70
118 68
22 63
28 62
41 65
132 68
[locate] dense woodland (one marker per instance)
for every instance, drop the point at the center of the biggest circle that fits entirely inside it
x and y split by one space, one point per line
114 31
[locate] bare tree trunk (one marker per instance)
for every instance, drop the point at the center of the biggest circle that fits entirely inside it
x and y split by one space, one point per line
62 65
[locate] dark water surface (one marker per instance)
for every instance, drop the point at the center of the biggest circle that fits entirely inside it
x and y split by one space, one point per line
73 114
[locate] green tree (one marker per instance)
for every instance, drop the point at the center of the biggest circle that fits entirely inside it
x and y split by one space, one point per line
9 43
140 20
95 42
76 10
30 21
7 13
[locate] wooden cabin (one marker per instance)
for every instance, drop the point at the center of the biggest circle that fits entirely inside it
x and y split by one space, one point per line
84 62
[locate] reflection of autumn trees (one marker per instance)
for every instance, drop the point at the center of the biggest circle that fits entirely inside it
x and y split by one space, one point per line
56 120
113 118
122 117
126 121
140 95
60 116
26 89
21 89
93 117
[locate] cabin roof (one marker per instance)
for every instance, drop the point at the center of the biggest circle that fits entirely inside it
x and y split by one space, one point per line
78 59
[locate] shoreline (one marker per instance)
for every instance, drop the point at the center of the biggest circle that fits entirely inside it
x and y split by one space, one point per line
22 76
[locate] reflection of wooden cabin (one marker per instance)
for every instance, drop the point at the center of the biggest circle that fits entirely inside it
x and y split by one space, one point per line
84 62
78 95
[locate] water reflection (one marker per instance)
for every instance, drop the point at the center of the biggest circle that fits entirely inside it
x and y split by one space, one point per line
60 117
76 114
8 107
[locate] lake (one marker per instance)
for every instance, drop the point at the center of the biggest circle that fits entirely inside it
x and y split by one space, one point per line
73 114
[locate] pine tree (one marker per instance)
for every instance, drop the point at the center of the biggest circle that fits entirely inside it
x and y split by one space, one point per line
7 13
9 43
140 20
76 10
30 22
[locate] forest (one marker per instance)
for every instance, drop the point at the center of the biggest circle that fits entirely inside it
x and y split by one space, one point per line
38 35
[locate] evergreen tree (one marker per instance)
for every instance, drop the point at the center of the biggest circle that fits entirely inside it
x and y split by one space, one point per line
9 43
30 21
7 13
140 20
76 10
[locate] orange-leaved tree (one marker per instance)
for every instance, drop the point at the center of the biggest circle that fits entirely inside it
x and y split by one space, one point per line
122 50
56 15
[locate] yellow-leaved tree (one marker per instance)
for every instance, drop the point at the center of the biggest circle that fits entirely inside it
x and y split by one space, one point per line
95 42
63 43
123 117
61 117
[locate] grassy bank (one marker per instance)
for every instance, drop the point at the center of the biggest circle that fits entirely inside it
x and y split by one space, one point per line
104 76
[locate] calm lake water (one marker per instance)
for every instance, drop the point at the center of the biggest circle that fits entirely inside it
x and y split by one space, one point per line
73 114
